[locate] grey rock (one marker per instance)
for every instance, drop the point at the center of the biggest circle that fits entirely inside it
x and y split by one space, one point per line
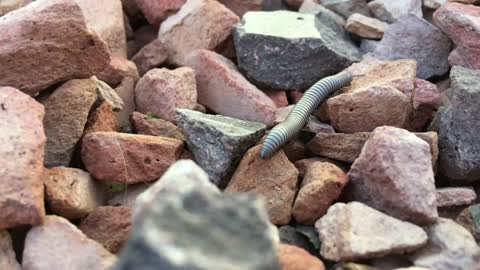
449 247
311 233
107 94
389 11
218 142
412 37
199 230
369 46
289 50
312 7
272 5
289 235
458 126
347 7
355 231
7 255
433 4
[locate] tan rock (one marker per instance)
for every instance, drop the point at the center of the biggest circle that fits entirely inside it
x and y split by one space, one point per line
126 90
7 254
10 5
295 258
200 24
72 193
128 158
162 91
321 186
66 112
102 119
275 179
147 125
35 38
105 93
365 27
58 244
22 143
117 69
109 226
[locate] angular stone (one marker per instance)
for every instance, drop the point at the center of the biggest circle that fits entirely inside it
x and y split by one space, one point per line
7 254
426 100
321 186
315 126
451 196
348 7
126 90
200 24
394 174
296 50
35 39
426 43
461 23
105 93
313 7
390 11
162 91
147 125
22 143
208 230
58 244
380 97
66 112
218 142
72 193
294 258
303 164
275 178
240 7
458 125
116 71
106 18
347 147
150 56
450 246
156 11
102 119
11 5
355 231
128 158
222 89
109 226
365 27
290 236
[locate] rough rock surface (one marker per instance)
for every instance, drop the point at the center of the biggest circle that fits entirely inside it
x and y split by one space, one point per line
34 46
420 40
365 27
128 158
457 125
425 99
390 11
117 69
455 196
102 119
126 90
449 247
146 125
66 112
72 193
347 8
105 93
394 174
22 143
238 229
295 258
462 24
224 90
162 91
156 11
380 97
322 184
127 197
287 50
109 226
313 7
275 178
290 236
218 142
150 56
7 254
200 24
58 244
315 126
11 5
355 231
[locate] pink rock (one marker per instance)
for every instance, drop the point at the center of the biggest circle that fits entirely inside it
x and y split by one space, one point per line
48 42
295 150
162 91
278 96
156 11
128 158
455 196
58 244
126 91
72 193
315 126
118 68
462 24
102 119
200 24
425 99
8 261
241 7
282 113
22 143
223 89
150 56
146 125
394 174
303 164
106 18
